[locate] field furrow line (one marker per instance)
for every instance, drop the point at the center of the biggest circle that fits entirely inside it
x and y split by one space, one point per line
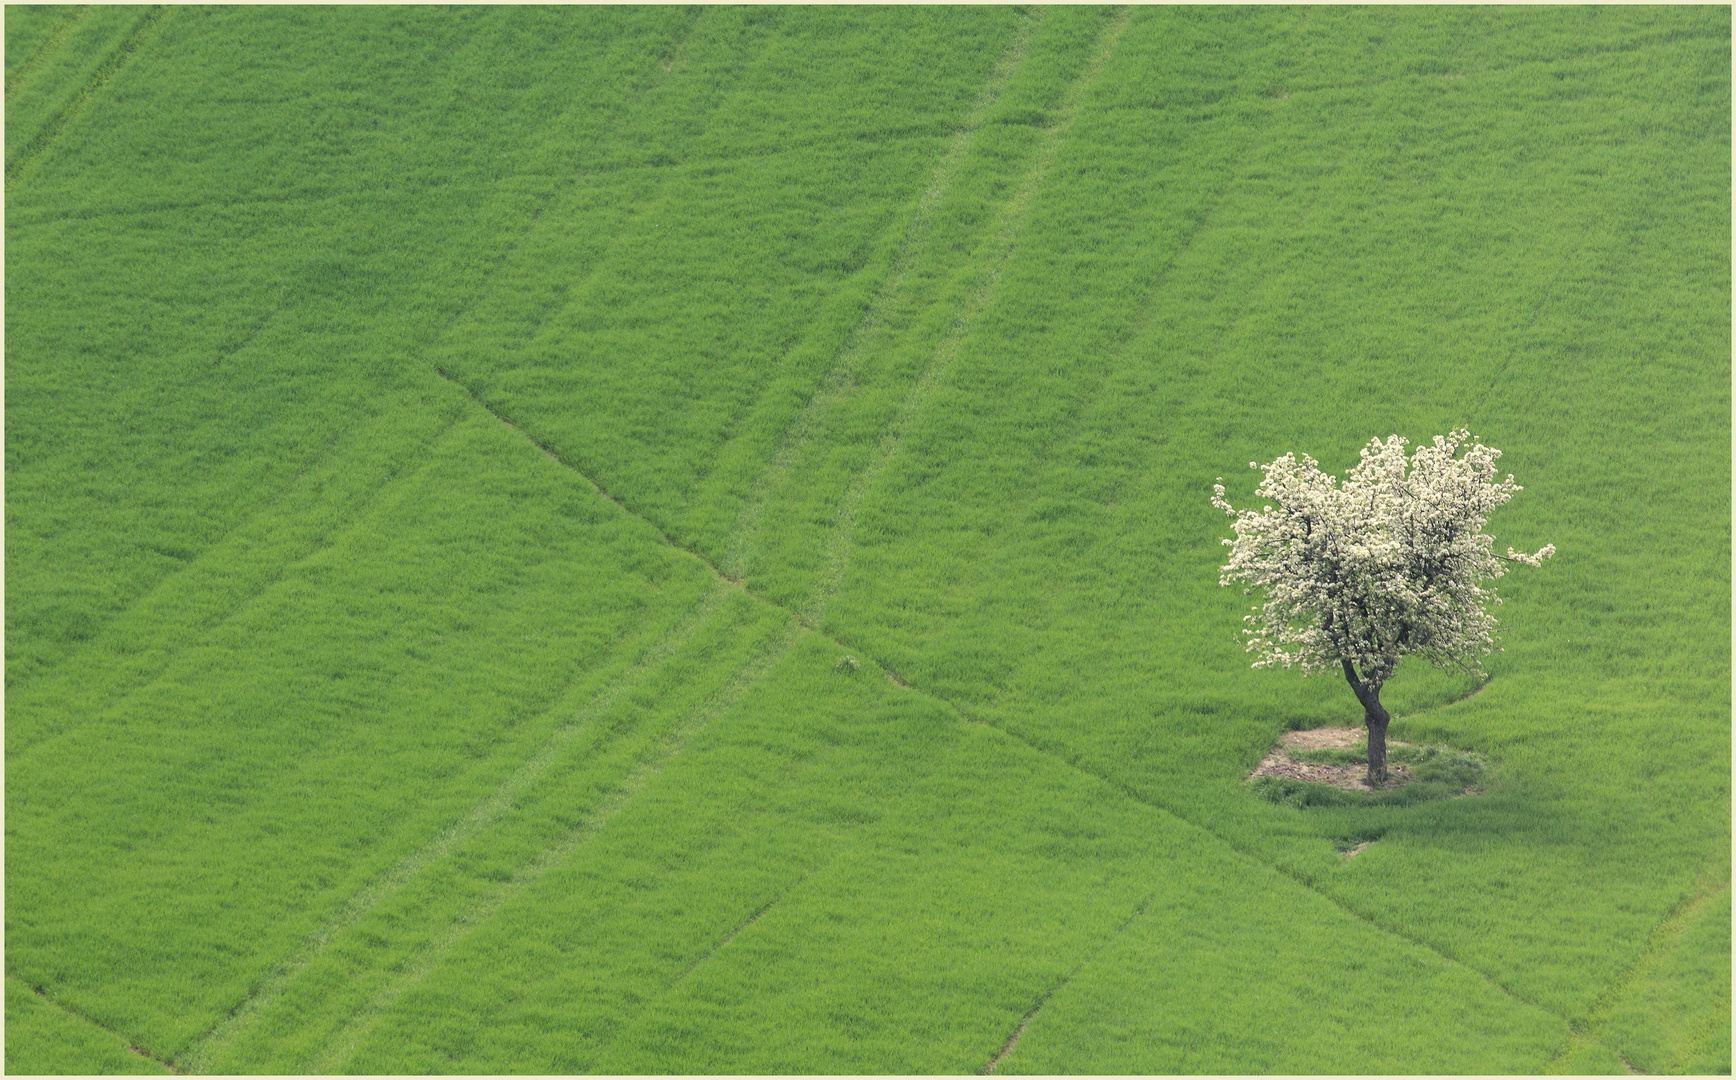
147 677
57 123
163 582
1518 336
1137 797
1043 998
349 1039
1591 1026
49 46
807 618
836 384
484 814
95 1023
731 936
1013 219
586 477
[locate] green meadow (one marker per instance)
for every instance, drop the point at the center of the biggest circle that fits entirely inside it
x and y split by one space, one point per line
587 539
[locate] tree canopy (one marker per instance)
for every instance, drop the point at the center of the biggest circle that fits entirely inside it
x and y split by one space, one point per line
1391 562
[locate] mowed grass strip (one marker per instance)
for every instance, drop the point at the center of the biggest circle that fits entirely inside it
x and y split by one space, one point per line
44 92
453 689
918 883
690 344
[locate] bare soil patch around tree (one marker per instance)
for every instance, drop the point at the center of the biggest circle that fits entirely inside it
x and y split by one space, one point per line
1329 766
1344 777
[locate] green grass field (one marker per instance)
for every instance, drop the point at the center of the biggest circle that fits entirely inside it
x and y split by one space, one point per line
451 454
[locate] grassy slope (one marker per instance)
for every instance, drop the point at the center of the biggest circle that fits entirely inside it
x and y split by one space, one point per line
695 845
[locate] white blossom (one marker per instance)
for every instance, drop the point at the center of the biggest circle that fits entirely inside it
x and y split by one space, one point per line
1389 563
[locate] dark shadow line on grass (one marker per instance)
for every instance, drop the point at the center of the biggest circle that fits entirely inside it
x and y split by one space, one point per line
99 1025
107 70
56 38
586 477
1043 998
1590 1026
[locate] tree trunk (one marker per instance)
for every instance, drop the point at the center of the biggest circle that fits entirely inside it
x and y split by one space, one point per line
1376 718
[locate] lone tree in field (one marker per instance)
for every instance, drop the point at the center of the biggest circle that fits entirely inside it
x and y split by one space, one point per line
1385 565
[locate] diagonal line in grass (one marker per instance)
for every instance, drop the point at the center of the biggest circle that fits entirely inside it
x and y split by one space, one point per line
1519 335
326 539
485 814
365 1021
347 1041
733 934
92 1021
1013 219
1043 998
586 477
1590 1028
55 40
839 378
808 618
57 123
1137 797
719 945
433 336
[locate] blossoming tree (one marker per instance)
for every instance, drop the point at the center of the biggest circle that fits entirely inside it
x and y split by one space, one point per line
1387 564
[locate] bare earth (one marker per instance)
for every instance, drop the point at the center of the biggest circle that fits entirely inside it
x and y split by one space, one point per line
1347 777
